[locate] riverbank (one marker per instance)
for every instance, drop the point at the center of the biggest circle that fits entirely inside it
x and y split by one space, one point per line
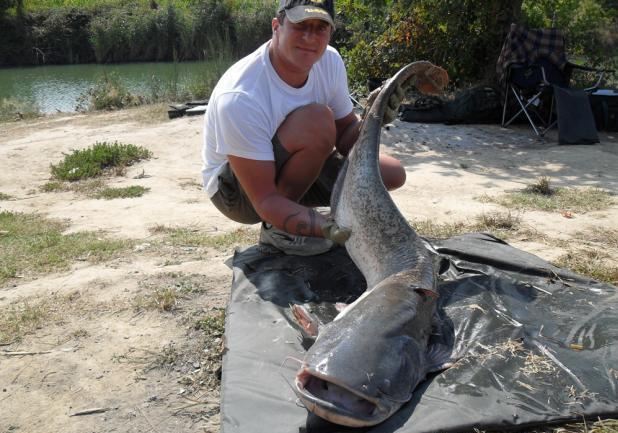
138 336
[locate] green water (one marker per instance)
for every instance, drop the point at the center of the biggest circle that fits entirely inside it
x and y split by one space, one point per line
57 88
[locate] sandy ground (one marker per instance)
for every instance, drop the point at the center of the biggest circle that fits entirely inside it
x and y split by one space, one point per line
102 352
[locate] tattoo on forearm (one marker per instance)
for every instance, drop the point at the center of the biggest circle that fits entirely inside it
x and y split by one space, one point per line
312 224
287 220
303 228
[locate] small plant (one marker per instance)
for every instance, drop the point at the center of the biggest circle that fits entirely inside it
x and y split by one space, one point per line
109 93
213 324
497 221
541 186
4 196
166 299
127 192
94 161
12 109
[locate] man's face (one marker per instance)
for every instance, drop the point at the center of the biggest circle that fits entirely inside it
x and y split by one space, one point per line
299 45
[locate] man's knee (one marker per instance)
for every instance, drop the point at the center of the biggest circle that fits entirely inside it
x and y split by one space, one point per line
310 126
393 173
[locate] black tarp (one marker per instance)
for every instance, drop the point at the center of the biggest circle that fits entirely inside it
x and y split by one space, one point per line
537 344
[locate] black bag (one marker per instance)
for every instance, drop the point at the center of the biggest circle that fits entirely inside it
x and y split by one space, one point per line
604 104
480 104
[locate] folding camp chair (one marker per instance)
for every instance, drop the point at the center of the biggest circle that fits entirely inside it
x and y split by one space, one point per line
534 71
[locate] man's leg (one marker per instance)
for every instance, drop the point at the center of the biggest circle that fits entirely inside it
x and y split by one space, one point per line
393 173
308 134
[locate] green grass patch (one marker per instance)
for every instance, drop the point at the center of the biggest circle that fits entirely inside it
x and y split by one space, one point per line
595 264
102 157
540 196
87 187
500 224
4 196
182 236
31 244
126 192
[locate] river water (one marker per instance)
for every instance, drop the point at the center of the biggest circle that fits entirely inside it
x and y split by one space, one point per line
57 88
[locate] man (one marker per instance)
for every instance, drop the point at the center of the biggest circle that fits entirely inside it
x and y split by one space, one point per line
272 125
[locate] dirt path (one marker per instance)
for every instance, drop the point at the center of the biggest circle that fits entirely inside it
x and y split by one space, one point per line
148 368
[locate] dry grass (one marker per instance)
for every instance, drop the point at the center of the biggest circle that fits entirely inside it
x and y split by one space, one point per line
193 237
595 264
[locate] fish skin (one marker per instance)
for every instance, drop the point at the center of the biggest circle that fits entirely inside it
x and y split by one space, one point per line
365 364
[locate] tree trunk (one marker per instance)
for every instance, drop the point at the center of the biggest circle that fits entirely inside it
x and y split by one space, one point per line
501 14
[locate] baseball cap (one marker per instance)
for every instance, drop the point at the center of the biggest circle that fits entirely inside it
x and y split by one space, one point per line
301 10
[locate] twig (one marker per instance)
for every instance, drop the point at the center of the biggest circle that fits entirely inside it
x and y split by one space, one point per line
91 411
194 403
9 353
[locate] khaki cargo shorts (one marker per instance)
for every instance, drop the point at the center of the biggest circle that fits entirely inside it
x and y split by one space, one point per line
232 201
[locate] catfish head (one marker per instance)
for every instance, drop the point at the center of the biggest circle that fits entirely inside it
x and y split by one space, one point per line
366 363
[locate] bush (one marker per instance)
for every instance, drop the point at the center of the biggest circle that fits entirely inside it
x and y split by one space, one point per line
11 109
94 161
108 94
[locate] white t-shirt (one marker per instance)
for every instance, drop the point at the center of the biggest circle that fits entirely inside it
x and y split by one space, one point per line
250 101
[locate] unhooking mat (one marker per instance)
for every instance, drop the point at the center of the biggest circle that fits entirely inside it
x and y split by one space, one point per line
538 344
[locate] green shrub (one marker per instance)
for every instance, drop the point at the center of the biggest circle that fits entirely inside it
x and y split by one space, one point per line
108 94
12 109
92 162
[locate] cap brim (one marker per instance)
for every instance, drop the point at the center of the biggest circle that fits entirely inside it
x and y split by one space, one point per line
308 12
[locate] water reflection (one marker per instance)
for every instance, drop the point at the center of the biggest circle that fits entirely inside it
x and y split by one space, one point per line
57 88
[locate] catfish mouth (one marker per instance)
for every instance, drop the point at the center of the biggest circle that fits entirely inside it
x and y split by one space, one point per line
336 402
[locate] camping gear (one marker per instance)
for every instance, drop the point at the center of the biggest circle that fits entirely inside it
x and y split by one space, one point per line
478 104
531 65
605 109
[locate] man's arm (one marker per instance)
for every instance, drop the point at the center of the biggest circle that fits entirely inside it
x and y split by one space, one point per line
258 180
348 128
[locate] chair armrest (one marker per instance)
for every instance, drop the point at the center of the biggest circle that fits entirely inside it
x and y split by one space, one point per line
588 68
600 73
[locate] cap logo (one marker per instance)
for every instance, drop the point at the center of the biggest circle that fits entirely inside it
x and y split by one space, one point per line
319 11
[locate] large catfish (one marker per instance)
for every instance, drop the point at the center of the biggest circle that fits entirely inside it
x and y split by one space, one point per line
365 364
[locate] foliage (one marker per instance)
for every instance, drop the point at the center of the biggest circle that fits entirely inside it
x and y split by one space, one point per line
588 24
109 93
375 37
11 109
463 37
93 161
79 31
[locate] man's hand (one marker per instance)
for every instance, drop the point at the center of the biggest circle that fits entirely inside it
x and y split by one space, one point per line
332 231
393 103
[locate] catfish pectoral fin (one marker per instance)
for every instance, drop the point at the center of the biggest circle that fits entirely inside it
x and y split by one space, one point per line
307 321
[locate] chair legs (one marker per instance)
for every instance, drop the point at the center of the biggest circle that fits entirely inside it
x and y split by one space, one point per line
524 105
